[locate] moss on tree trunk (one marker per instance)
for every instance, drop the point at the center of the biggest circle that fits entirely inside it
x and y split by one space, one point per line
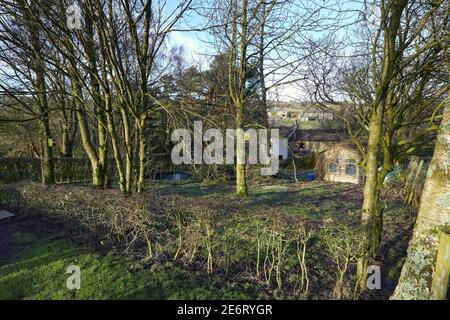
434 214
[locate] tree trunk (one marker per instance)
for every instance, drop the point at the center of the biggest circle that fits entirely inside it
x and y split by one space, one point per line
80 113
372 221
48 168
84 133
102 150
262 77
136 157
142 152
237 81
434 214
241 184
241 181
114 142
99 171
66 149
128 149
371 214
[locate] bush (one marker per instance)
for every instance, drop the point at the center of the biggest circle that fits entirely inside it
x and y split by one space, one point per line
343 245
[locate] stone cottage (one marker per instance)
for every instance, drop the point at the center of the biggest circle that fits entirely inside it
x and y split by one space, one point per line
337 159
340 163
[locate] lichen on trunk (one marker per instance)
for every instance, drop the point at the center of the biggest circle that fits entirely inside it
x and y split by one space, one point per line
434 214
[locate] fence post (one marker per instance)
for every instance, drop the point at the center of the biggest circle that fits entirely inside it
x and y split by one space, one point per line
442 270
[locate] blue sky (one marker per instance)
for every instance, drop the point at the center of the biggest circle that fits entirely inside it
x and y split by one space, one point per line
197 50
192 41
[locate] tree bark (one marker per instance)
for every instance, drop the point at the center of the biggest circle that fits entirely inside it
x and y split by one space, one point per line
68 129
434 214
237 81
47 164
441 276
142 151
372 222
371 214
99 171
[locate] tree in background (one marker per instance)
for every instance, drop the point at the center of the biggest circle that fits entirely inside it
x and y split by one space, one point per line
24 78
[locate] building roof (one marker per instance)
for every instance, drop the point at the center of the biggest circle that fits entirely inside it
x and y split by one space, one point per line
286 132
319 135
295 134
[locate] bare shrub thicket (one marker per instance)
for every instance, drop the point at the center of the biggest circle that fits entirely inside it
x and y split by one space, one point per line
343 244
109 219
269 249
67 170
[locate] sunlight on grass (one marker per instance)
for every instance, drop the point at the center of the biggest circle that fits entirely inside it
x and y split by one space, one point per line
40 274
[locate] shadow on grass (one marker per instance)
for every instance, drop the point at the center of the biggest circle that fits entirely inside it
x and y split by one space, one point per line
313 200
40 273
196 189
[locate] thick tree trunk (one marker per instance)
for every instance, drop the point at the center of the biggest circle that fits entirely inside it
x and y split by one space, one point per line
370 211
241 184
48 168
371 214
372 221
241 181
434 214
441 276
84 133
102 150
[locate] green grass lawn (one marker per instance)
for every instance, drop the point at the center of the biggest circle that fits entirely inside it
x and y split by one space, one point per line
39 273
311 200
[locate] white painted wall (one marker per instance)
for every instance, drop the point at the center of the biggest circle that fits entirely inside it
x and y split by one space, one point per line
282 147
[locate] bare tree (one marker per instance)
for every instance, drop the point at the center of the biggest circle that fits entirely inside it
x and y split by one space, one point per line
420 278
381 84
24 77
